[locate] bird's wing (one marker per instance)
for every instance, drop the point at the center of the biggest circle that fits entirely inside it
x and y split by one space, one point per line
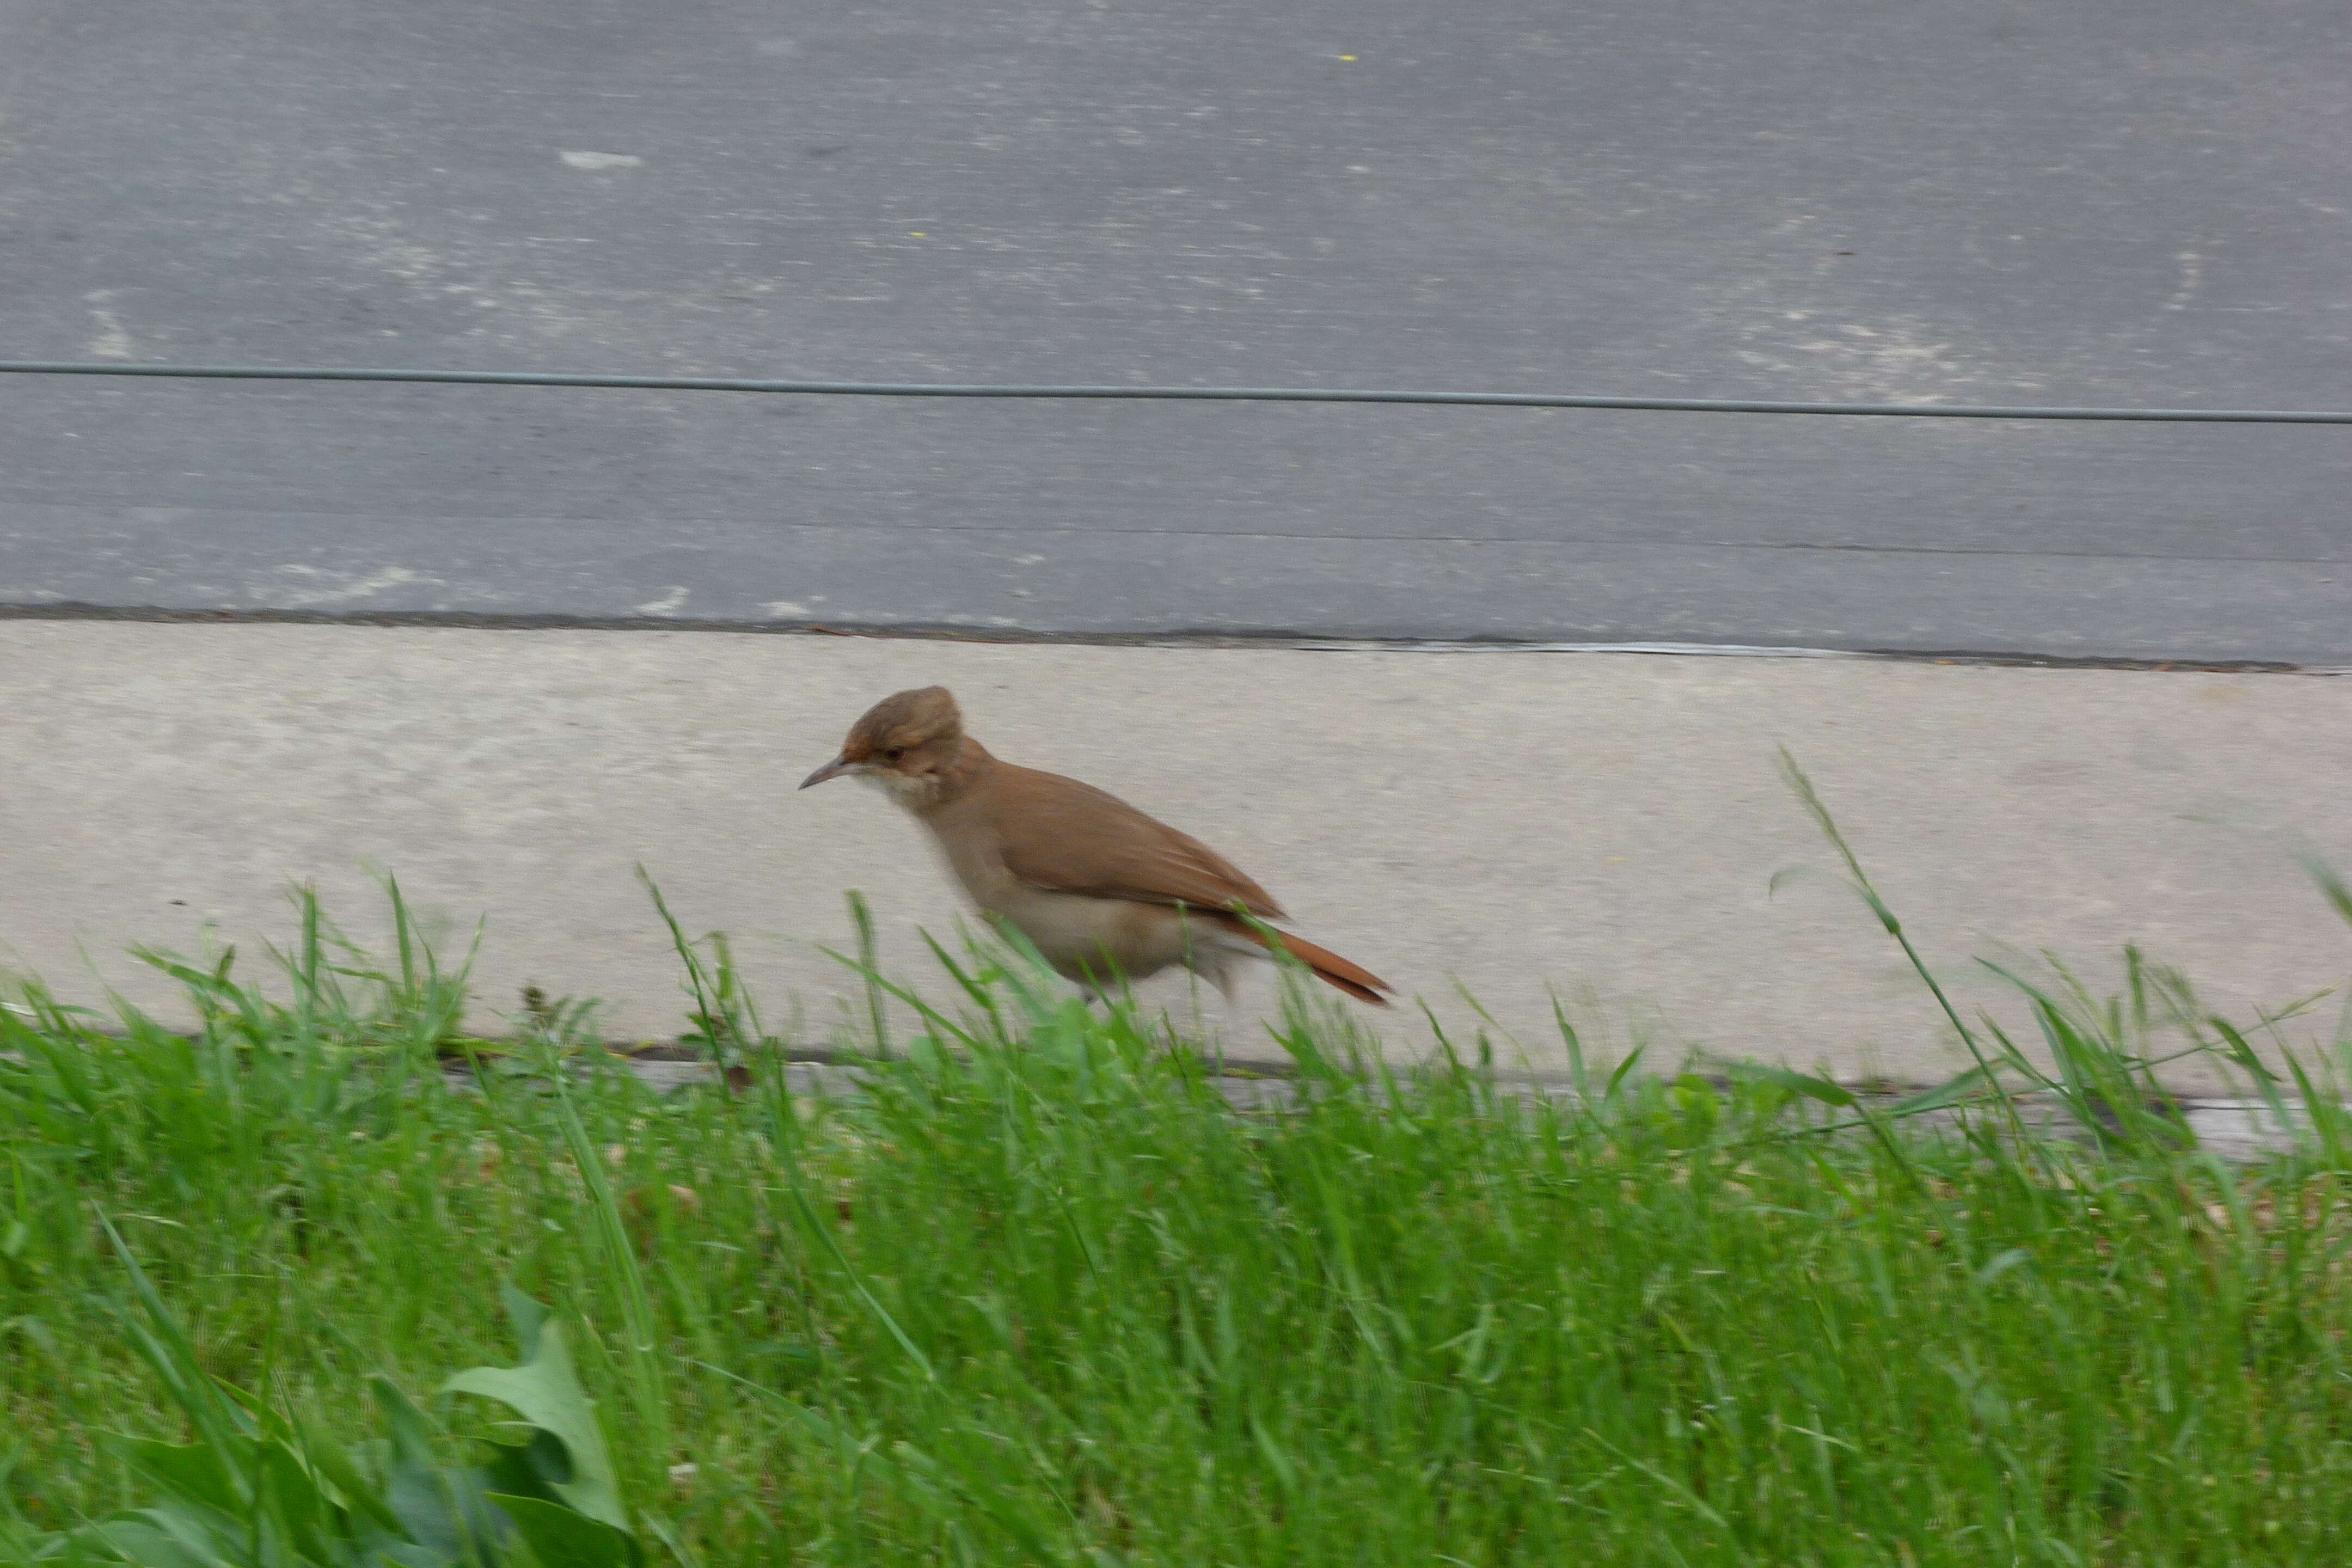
1072 838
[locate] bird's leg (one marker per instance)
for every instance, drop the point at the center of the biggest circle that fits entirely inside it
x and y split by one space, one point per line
1095 983
1216 967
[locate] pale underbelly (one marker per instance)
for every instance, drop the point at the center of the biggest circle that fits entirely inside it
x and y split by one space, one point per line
1076 934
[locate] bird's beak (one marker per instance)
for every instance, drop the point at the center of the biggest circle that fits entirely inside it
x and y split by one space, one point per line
832 770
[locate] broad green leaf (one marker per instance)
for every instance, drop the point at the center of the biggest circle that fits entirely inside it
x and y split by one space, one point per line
196 1534
441 1511
295 1496
126 1540
346 1484
412 1433
187 1470
558 1535
526 1316
534 1470
545 1392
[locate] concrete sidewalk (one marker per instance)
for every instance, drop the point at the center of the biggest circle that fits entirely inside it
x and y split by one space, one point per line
1604 826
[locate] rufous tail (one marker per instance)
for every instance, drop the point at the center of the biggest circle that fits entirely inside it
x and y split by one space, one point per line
1327 966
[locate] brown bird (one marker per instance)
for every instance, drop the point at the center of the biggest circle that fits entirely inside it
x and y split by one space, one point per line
1101 891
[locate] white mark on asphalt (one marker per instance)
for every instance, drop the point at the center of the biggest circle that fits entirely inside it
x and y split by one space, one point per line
2192 276
594 162
668 605
112 342
350 588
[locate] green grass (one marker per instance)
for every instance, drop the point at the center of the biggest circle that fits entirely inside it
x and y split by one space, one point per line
1043 1297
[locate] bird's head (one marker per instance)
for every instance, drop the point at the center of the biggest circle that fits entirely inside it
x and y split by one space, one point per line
906 744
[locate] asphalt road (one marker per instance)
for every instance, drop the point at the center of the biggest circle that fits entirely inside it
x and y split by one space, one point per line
2114 202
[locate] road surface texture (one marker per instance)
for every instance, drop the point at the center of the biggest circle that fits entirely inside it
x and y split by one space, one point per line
2124 201
1605 826
2128 201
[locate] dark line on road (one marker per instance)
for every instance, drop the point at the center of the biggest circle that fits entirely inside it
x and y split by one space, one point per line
1179 638
1181 394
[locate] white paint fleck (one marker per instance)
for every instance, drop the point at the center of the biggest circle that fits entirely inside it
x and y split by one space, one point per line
782 607
350 588
112 341
1898 360
595 161
668 605
2192 277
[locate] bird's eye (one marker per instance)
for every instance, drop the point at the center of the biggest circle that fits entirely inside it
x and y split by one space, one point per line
893 753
